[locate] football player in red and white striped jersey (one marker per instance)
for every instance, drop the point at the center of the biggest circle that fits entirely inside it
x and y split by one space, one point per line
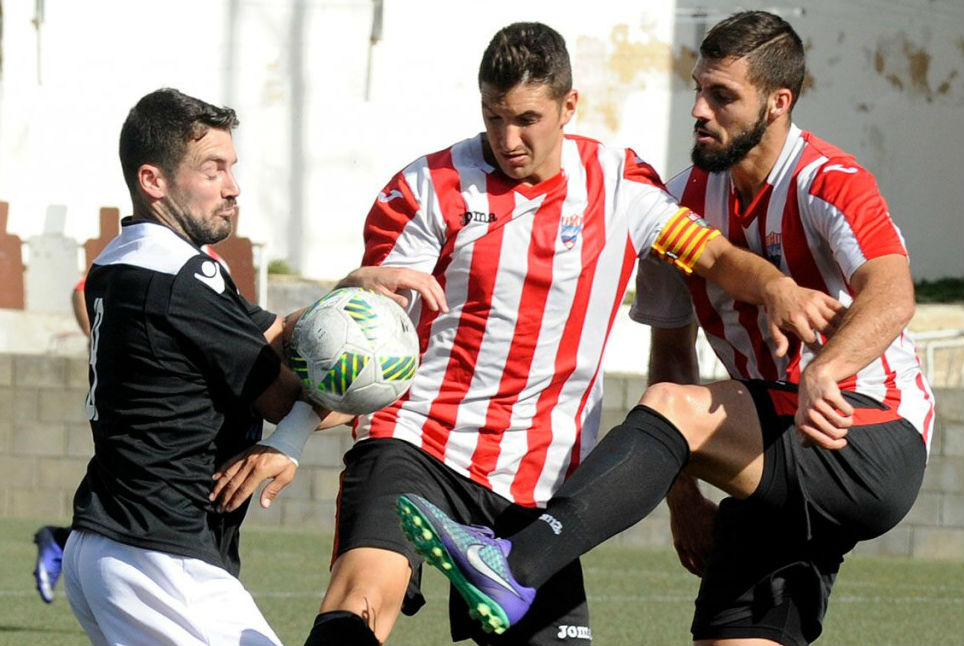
519 242
820 444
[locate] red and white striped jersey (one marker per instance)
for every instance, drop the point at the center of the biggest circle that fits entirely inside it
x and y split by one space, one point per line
509 389
819 218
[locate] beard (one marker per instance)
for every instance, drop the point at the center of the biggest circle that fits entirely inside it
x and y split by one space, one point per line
717 161
203 232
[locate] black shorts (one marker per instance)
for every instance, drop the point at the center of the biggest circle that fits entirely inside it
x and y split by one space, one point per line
378 470
776 554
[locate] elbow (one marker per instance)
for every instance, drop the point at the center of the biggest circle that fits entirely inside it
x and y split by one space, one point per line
905 311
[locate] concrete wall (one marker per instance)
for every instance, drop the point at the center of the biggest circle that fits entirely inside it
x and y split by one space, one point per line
45 444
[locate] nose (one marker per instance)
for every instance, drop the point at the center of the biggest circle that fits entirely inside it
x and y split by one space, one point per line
511 138
701 109
231 187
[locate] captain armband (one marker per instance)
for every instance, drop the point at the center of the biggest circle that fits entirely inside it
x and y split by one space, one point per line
683 239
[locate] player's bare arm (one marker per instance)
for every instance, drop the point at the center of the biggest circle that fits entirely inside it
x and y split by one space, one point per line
883 305
392 280
749 278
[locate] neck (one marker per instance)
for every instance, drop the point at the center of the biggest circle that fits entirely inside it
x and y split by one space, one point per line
749 176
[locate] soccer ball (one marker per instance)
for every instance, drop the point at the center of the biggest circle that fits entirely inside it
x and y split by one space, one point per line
355 350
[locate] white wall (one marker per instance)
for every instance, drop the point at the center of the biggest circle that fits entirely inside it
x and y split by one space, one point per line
326 118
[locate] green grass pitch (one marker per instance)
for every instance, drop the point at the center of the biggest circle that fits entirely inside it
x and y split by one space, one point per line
638 596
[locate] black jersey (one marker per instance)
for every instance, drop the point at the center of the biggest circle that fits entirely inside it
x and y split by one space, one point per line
177 359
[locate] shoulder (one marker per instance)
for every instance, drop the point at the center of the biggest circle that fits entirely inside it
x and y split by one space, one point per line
835 172
149 246
624 160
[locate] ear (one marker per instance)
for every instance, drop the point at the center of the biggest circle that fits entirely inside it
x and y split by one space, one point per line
152 181
780 102
568 105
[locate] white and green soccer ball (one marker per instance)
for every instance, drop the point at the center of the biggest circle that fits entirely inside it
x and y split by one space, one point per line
355 350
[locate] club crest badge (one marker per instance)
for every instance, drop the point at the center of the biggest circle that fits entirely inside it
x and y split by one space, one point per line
570 230
774 247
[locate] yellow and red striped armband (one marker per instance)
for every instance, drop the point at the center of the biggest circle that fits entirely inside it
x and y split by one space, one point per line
683 239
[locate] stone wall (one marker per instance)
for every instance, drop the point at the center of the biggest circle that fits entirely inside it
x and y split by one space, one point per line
45 444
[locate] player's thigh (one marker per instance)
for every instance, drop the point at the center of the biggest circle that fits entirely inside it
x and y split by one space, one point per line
721 426
74 588
224 609
864 489
139 596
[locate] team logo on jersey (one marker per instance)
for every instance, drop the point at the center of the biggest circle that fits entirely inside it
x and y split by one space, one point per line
570 230
391 195
850 170
477 216
774 247
211 275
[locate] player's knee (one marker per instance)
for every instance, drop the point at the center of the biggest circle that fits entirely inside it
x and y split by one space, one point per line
340 627
666 398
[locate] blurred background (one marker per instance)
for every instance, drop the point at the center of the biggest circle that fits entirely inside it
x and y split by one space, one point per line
334 96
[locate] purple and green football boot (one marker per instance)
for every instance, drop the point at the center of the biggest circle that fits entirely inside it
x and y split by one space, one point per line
472 558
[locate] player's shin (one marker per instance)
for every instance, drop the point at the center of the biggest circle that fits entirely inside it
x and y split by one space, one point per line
621 481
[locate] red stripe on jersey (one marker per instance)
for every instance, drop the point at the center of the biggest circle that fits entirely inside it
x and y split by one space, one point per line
746 313
893 394
784 402
785 405
539 436
535 293
467 343
930 413
392 210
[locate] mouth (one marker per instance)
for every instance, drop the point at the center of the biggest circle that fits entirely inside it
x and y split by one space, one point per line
515 159
228 212
703 135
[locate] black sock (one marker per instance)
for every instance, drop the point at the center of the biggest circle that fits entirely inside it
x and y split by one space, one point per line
623 479
338 628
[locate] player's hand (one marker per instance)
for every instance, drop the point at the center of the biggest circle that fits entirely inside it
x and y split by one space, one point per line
391 280
799 310
692 518
238 478
823 416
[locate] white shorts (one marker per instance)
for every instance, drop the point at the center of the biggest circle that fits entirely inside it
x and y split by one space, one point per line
128 595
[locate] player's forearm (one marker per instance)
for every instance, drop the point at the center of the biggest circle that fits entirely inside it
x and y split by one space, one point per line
882 308
743 275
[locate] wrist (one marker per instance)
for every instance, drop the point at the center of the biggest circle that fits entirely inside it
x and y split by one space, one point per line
292 432
777 285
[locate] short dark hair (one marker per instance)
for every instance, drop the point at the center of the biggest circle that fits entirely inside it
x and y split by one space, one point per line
775 55
158 129
527 52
